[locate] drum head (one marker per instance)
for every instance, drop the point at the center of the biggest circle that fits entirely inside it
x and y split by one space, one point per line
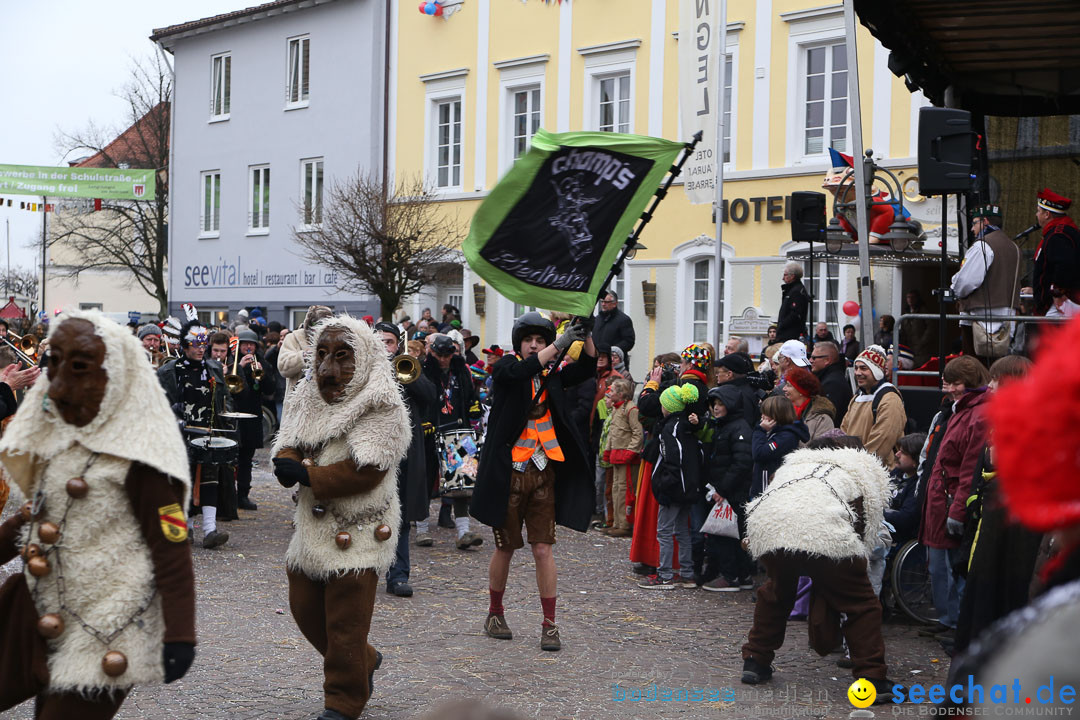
213 443
238 415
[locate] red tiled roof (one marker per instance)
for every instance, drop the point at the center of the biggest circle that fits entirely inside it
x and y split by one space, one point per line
206 22
135 146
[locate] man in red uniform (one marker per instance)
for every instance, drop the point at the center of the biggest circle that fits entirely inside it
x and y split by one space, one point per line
1056 275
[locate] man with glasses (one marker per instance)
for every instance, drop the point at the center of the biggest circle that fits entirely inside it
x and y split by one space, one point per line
614 327
831 370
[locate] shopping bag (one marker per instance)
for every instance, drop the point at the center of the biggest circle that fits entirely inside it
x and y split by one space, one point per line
721 521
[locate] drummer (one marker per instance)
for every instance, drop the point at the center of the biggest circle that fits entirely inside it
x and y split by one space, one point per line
195 387
250 400
455 409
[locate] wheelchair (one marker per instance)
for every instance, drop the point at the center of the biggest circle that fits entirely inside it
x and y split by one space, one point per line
909 578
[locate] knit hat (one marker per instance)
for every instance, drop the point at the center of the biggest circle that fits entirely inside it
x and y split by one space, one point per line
698 356
1038 469
677 397
149 330
874 358
804 381
477 371
905 358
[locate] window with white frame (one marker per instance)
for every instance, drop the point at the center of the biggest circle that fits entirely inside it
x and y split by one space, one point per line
296 91
728 80
825 95
524 118
311 191
259 209
609 86
699 316
210 216
613 103
826 294
220 86
448 151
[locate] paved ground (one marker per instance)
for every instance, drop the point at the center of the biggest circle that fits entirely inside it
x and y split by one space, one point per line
253 663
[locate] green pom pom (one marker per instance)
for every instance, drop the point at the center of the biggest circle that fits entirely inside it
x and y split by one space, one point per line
689 393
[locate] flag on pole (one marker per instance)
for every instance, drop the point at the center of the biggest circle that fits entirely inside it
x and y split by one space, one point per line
549 232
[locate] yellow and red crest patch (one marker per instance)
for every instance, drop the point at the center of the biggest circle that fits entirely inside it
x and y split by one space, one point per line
173 523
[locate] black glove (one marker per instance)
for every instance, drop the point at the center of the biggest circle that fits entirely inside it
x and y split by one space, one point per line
587 323
178 658
289 472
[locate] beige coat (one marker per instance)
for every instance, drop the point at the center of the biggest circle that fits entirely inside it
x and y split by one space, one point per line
819 418
291 358
625 432
882 436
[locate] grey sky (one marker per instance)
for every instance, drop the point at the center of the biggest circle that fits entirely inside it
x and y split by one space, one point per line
65 61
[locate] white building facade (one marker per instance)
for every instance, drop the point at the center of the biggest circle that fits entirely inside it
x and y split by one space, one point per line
271 104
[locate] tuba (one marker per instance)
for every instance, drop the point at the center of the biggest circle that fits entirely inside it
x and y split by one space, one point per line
406 368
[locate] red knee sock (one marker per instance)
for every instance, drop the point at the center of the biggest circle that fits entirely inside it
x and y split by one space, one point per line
548 603
495 606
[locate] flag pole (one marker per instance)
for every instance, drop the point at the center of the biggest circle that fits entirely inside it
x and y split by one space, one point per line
718 207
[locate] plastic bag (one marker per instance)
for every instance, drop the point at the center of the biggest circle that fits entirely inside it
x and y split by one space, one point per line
722 521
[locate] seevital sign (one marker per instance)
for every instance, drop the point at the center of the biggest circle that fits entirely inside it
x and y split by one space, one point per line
77 182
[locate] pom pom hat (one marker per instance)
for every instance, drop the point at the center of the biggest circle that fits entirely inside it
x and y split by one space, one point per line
677 397
698 356
874 358
1036 435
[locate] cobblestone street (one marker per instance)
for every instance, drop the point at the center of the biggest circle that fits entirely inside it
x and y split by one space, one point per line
253 663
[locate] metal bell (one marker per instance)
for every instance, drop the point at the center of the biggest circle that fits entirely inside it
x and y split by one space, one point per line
50 626
319 511
114 664
39 566
383 532
77 488
31 551
343 540
49 533
26 512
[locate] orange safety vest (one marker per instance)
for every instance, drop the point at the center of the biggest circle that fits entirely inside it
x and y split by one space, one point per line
539 431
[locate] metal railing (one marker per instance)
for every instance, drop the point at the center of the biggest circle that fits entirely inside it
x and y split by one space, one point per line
896 371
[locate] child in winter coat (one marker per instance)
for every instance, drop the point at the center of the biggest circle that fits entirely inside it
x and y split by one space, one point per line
622 450
904 511
730 466
676 486
778 433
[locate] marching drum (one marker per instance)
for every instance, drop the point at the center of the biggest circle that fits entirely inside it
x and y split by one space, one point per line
459 456
214 451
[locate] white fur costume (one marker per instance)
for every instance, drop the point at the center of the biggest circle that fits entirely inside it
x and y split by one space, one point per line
799 512
369 426
104 560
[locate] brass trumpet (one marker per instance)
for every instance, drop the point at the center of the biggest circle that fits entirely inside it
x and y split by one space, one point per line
257 371
233 380
406 368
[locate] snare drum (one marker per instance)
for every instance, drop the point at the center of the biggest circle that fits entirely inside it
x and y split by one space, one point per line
213 451
459 457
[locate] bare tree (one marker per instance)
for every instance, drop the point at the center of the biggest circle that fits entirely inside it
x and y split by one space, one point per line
385 241
22 283
127 235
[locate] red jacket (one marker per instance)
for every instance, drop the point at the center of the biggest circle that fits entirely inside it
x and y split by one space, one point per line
954 469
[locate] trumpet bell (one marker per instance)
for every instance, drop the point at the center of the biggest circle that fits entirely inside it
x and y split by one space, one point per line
257 374
406 368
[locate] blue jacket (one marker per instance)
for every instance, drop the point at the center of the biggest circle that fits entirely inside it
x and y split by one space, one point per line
904 509
769 450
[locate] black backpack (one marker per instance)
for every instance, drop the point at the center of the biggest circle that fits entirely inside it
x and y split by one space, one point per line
910 426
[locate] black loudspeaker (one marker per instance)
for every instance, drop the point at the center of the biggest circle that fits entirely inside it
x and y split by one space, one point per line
807 217
946 151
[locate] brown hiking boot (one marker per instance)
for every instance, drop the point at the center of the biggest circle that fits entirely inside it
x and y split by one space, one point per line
549 637
495 626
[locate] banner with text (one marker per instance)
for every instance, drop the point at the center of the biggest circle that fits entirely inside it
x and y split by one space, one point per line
552 228
698 89
78 182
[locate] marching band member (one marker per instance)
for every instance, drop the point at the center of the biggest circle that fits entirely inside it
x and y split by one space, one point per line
346 431
195 387
106 600
258 376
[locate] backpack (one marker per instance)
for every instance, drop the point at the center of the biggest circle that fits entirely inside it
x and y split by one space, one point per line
910 425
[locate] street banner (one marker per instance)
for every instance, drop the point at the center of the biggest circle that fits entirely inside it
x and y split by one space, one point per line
78 182
549 232
698 87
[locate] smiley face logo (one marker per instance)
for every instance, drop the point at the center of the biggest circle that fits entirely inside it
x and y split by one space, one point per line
862 693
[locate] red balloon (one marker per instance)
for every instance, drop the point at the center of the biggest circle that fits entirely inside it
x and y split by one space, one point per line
438 10
422 8
851 308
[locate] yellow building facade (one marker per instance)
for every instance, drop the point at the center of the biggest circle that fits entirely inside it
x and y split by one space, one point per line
468 89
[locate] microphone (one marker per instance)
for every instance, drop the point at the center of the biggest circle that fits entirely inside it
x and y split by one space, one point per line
1025 233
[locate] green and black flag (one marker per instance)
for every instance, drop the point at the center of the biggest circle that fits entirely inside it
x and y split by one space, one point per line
553 226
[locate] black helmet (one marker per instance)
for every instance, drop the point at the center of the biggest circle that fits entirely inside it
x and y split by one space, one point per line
530 323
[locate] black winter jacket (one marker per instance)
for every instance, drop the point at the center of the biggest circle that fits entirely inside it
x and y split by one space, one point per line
676 479
903 512
770 449
794 305
836 387
730 462
464 404
614 327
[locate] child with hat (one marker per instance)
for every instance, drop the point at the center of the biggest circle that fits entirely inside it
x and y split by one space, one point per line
676 486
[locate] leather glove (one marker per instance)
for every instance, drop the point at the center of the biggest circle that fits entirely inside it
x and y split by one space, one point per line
178 658
289 472
954 527
569 337
587 323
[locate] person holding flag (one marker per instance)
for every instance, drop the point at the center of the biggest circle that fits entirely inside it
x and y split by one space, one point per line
534 469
